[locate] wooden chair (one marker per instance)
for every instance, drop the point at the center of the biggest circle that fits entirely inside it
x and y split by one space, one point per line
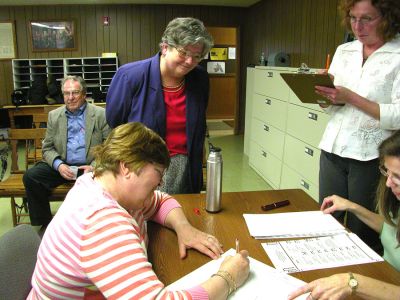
34 150
12 187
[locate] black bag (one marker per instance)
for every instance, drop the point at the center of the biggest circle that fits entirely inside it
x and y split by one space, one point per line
54 88
18 97
38 91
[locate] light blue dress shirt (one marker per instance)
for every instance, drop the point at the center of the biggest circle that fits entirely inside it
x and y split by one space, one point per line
76 154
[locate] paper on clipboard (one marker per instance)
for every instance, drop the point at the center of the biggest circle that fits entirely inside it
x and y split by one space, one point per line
303 85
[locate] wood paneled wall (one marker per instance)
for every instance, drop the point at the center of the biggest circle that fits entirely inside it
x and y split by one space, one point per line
306 29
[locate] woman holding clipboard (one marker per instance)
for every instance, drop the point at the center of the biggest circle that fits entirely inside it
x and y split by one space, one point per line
366 76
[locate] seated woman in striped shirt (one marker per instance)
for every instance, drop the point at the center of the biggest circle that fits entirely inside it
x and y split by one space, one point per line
95 246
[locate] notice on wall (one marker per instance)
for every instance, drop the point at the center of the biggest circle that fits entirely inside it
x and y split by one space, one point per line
216 67
7 42
231 53
218 54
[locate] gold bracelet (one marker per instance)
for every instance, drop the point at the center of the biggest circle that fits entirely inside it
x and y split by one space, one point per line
228 278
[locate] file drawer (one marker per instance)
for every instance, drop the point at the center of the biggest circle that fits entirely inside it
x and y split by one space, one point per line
266 164
306 124
268 137
302 158
268 82
294 100
293 180
270 111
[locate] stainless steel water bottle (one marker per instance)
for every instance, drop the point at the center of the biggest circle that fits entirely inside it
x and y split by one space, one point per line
214 180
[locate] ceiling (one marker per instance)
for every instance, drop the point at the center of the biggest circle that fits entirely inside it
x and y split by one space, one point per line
237 3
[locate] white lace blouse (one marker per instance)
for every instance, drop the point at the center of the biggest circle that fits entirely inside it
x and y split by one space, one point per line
351 132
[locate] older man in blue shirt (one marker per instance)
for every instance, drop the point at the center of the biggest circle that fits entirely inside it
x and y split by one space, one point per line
71 131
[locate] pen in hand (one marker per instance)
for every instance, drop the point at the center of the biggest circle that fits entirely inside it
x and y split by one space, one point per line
237 246
275 205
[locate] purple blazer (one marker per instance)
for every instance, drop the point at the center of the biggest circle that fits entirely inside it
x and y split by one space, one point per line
135 95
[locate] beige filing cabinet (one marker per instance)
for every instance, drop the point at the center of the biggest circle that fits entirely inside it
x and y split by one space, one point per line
283 133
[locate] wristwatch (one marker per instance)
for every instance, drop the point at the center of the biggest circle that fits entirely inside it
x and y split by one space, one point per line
353 283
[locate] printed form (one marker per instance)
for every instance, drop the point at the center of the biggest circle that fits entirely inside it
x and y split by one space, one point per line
320 253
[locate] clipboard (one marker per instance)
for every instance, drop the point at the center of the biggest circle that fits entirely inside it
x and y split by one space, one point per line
303 85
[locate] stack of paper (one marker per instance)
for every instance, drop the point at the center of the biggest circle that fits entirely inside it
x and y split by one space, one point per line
294 224
320 253
263 282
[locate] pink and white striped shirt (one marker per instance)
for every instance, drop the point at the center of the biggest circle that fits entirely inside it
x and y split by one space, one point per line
95 249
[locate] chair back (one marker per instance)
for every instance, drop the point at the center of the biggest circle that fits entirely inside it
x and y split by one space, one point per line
38 119
18 253
15 135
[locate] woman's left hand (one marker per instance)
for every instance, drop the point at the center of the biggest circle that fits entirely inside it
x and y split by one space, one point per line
333 287
190 237
338 95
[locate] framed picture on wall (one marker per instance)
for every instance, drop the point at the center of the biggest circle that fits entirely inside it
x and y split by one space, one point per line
7 40
53 35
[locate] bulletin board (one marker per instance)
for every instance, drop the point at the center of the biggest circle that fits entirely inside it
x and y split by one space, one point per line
7 40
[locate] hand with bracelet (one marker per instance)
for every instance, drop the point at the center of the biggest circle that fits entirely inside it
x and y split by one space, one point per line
232 273
345 285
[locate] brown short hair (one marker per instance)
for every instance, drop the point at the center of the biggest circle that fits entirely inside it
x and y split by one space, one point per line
131 143
389 10
388 204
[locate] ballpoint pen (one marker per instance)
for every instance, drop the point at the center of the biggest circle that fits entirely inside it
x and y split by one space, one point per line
275 205
237 246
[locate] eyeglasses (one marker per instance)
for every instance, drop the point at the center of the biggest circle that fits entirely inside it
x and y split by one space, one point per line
363 20
186 54
385 172
72 93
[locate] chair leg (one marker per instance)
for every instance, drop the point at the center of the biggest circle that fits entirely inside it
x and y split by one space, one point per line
13 211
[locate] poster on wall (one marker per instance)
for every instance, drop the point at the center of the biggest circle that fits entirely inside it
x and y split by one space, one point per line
7 40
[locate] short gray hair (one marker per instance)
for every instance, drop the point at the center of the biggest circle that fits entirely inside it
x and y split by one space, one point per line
79 79
181 32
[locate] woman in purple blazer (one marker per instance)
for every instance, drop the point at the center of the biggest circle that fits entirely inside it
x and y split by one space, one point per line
169 94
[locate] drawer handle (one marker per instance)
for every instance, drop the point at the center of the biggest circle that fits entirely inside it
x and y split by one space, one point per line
266 128
309 151
312 116
305 184
263 153
267 101
270 74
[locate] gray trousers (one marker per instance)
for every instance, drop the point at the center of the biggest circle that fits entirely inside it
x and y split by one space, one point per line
354 180
176 178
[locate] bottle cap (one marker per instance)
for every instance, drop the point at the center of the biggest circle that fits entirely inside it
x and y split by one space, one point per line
213 148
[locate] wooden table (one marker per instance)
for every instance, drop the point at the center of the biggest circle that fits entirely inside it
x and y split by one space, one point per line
230 224
30 110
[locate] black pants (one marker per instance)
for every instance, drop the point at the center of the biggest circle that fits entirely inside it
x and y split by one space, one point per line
354 180
39 181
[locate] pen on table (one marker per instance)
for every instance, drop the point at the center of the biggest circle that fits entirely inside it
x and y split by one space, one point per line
328 62
275 205
237 246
